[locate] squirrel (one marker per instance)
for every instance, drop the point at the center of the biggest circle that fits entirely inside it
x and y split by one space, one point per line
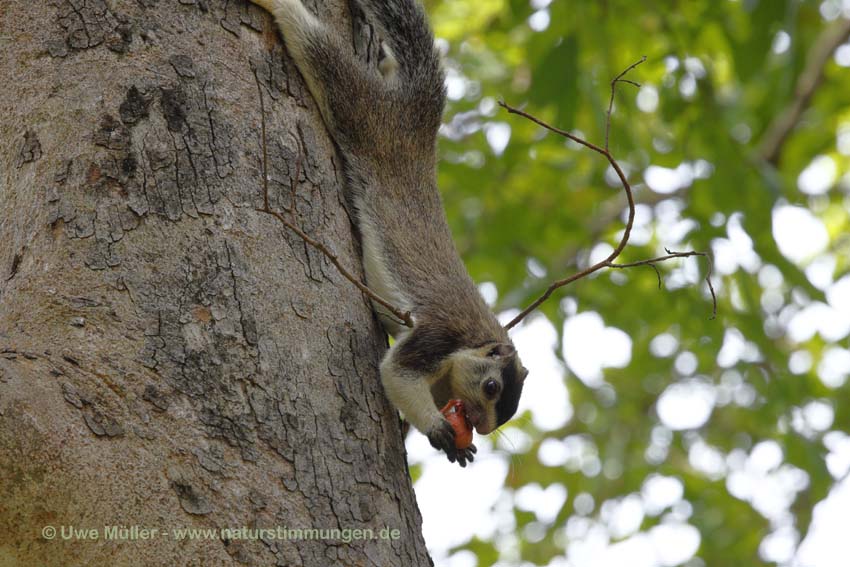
383 120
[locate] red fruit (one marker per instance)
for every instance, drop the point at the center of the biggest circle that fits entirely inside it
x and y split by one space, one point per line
456 416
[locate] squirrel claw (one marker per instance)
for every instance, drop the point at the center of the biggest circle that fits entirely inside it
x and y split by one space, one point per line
442 437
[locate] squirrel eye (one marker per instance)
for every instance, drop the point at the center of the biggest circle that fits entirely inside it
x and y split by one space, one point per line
501 350
491 388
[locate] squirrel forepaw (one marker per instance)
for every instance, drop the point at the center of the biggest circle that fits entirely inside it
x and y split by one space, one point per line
442 437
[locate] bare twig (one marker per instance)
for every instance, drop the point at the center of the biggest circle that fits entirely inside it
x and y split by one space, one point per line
807 83
670 255
609 261
619 79
403 316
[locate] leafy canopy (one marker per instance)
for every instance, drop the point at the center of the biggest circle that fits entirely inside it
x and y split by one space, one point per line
526 207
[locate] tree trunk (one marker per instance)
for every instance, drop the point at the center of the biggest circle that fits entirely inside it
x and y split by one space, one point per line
169 357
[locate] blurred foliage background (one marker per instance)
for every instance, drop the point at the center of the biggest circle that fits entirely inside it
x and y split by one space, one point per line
737 142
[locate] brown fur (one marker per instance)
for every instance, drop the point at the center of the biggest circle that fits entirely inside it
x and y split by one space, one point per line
384 122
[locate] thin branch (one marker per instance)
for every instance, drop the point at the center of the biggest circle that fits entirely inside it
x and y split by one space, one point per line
657 274
609 261
670 255
619 79
807 83
403 316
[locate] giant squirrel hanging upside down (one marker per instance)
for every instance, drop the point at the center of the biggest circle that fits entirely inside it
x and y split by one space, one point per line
384 123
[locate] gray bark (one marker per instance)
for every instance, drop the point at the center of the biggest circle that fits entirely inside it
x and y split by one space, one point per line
170 357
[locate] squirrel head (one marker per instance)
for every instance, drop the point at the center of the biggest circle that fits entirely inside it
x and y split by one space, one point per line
489 380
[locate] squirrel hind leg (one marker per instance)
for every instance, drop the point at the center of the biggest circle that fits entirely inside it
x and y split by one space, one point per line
268 5
338 81
405 31
298 26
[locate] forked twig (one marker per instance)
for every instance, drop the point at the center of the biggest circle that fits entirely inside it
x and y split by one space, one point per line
619 79
403 316
670 255
609 261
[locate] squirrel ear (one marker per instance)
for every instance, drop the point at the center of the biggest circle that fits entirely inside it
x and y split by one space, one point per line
523 373
501 350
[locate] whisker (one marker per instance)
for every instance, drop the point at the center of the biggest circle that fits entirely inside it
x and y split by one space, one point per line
503 435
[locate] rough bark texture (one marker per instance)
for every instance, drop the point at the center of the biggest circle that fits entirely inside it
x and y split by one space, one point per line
169 357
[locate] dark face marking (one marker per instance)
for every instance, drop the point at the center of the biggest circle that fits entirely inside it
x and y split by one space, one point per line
512 382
